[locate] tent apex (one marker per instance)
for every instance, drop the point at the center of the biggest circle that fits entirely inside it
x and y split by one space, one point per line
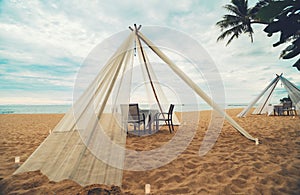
135 27
279 75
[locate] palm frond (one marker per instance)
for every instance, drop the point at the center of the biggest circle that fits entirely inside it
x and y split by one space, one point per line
228 20
236 31
242 6
233 9
224 35
250 31
251 36
237 22
231 38
232 19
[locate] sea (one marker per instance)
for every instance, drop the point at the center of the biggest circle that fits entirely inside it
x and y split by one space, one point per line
60 109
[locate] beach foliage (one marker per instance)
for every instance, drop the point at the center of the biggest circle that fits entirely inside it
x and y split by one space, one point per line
279 16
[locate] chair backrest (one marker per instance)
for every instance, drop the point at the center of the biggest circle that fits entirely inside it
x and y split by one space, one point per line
171 108
287 105
133 112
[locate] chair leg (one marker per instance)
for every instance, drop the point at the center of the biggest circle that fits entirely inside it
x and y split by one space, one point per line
172 125
156 125
169 125
135 129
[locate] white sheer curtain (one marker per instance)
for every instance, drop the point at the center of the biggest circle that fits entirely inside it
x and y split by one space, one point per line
88 144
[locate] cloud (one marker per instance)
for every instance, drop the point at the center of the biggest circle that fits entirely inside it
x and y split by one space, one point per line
44 43
35 97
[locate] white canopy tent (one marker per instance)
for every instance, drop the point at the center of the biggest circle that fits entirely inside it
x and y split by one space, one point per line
88 144
265 96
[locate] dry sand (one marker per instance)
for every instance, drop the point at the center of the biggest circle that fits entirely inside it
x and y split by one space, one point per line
234 165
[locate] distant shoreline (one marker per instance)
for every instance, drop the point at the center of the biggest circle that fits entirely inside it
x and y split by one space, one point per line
61 109
34 109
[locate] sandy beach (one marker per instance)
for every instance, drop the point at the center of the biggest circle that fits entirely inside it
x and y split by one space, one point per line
234 165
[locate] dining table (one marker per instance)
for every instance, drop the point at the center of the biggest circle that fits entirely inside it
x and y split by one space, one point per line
278 109
149 117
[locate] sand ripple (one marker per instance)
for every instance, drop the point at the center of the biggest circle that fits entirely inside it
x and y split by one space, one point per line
234 165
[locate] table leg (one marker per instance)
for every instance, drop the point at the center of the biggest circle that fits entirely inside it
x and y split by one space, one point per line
150 123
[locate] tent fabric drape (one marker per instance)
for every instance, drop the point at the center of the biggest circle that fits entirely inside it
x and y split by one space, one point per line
195 87
88 144
153 84
84 145
247 109
262 107
264 96
293 91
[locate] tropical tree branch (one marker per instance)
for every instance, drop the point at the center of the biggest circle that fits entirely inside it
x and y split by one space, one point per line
280 16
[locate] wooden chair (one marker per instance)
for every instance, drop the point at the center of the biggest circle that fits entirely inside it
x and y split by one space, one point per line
134 116
167 117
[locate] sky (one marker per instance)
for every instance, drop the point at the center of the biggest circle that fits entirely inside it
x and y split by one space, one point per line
44 43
